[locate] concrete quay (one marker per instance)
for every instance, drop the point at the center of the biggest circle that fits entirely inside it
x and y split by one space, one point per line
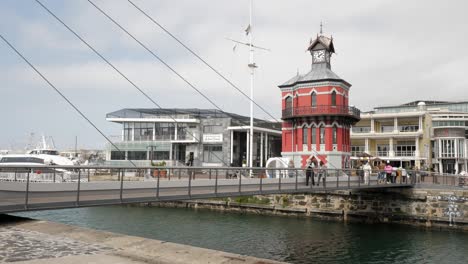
26 241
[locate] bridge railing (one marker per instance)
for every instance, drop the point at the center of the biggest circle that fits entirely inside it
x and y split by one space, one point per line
41 187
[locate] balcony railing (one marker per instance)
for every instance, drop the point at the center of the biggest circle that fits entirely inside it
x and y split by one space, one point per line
321 110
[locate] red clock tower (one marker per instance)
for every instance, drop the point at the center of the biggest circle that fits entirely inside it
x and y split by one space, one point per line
316 115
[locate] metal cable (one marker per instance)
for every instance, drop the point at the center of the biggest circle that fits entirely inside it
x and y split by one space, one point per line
201 59
117 70
61 94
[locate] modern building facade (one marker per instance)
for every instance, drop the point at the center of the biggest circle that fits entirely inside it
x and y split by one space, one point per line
430 134
198 137
316 115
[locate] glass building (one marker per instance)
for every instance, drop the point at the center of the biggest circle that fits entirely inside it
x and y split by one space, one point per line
198 137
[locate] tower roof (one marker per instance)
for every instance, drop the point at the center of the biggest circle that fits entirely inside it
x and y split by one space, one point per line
318 73
325 41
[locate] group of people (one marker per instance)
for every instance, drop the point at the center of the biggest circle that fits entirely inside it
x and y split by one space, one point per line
313 167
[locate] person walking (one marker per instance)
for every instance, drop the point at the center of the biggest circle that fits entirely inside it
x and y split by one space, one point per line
367 172
388 170
321 173
382 172
310 172
291 169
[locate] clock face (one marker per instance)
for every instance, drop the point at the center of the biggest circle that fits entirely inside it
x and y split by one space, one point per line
319 56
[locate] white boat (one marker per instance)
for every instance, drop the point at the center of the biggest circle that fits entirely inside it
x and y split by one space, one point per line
49 154
17 167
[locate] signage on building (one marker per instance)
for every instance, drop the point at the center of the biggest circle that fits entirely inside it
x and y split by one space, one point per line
211 138
449 132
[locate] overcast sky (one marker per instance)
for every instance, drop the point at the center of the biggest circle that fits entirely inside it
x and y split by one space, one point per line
392 52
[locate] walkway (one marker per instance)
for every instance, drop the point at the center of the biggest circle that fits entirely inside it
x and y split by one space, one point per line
136 186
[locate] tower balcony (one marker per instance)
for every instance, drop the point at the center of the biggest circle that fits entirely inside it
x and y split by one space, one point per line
322 110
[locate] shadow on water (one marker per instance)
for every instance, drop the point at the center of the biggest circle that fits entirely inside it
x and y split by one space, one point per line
296 240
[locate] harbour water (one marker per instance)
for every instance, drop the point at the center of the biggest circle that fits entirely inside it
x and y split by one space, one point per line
295 240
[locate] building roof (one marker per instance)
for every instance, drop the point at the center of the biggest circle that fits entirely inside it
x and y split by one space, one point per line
325 41
318 73
176 113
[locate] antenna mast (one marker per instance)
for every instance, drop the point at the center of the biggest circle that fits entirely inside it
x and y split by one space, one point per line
252 67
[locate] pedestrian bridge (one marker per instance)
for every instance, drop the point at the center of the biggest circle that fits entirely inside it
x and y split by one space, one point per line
50 187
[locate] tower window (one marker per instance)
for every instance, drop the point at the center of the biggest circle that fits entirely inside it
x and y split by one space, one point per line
322 134
305 136
288 102
334 134
333 98
314 135
313 99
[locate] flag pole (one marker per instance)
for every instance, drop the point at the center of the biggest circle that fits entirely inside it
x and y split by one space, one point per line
252 68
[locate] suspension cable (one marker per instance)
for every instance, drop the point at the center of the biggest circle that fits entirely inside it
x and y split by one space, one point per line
61 94
119 72
201 59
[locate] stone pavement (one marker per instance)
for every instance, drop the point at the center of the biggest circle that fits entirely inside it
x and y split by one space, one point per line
41 242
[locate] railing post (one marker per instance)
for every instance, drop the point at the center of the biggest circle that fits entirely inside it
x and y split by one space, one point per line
349 180
55 172
216 183
325 174
261 185
27 192
279 183
295 187
88 176
209 173
240 182
157 185
337 180
78 189
190 184
359 178
120 175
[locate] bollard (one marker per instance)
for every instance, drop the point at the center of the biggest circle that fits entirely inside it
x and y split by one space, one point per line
190 185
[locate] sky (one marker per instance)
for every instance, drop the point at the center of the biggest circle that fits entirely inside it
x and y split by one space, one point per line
391 52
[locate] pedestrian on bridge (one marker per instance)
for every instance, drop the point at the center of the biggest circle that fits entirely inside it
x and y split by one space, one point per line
310 172
367 172
321 173
388 170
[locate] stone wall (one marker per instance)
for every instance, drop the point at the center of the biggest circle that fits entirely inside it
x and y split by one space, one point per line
435 208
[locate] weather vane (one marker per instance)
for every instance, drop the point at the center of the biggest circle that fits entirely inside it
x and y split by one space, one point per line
321 31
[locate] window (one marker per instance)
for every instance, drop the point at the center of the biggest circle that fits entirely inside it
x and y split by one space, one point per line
137 155
127 132
333 98
213 153
322 134
164 131
314 135
304 136
288 102
356 150
117 155
143 131
160 155
448 148
335 130
313 99
383 150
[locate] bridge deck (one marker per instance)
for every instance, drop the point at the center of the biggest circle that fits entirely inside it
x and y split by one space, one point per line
24 196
